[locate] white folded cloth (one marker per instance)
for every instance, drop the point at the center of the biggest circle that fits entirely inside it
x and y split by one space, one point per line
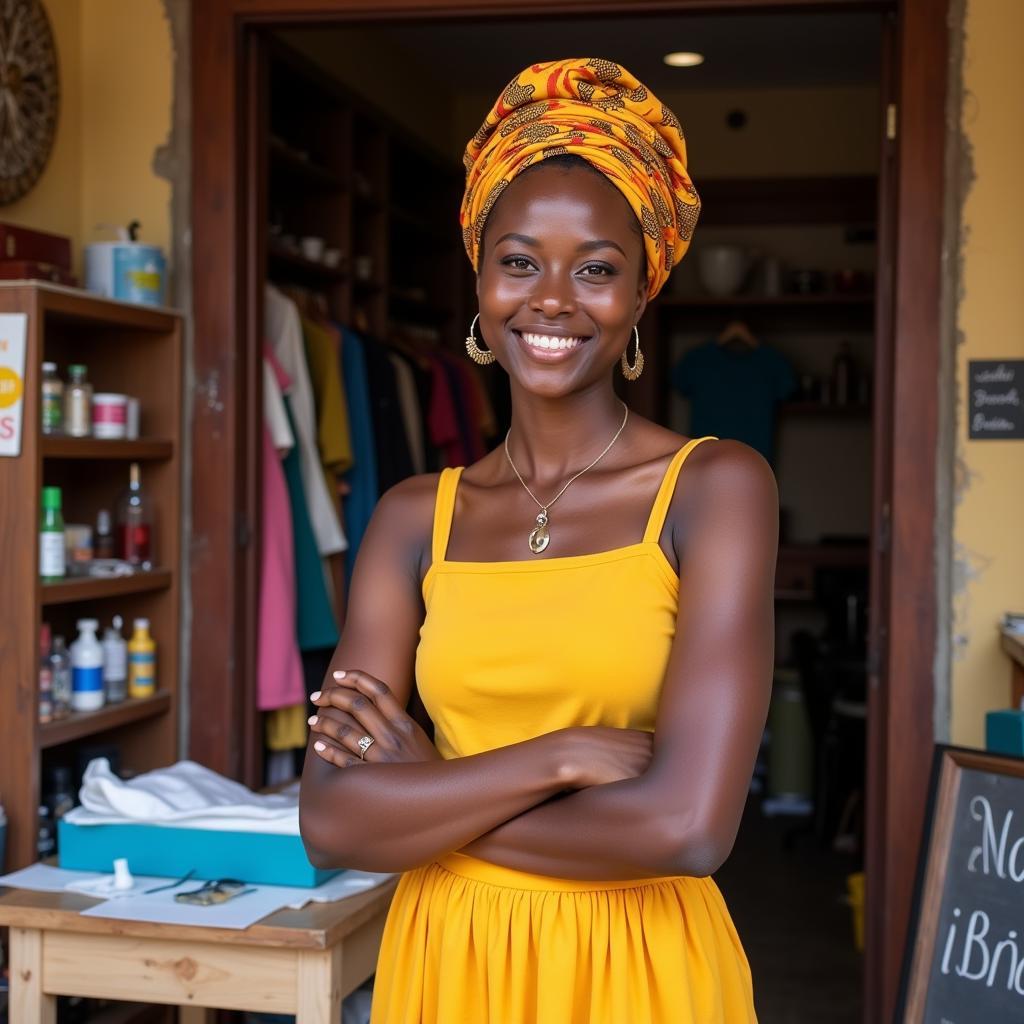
185 795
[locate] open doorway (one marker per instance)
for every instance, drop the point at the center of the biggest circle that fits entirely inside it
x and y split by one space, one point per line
802 96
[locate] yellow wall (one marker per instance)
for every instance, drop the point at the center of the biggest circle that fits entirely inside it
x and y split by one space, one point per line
55 204
988 539
127 69
116 72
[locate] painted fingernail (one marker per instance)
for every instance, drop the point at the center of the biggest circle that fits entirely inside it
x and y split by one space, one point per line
318 746
315 696
312 720
339 674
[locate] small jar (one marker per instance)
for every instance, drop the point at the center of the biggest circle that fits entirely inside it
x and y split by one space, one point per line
52 400
109 416
77 403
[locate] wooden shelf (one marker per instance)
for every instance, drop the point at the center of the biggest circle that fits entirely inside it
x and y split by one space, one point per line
406 220
296 267
817 200
814 300
853 410
89 588
142 448
289 165
87 723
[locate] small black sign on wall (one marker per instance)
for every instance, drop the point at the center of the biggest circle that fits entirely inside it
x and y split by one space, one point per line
995 399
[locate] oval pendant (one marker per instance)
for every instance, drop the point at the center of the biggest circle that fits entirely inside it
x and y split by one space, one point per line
539 536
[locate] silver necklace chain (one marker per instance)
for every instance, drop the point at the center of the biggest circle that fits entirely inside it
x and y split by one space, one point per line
544 507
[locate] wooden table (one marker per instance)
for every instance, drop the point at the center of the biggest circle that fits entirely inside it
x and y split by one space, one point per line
1013 645
295 961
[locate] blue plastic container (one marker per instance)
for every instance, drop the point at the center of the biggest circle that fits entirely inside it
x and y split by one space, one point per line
130 271
168 852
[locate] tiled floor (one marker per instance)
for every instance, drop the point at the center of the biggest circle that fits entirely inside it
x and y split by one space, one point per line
789 909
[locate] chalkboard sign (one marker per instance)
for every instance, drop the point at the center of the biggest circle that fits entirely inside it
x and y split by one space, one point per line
964 962
995 399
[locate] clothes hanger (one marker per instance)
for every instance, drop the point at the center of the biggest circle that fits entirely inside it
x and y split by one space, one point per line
737 331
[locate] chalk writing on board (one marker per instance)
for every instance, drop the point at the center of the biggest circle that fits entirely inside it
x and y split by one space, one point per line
995 400
979 949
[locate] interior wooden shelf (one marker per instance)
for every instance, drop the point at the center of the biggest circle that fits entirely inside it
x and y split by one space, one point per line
853 410
286 162
829 299
297 265
97 448
88 588
87 723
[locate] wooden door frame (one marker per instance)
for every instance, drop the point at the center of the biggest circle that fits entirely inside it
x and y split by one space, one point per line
224 535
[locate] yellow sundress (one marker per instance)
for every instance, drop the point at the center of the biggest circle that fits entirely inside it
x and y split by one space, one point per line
509 651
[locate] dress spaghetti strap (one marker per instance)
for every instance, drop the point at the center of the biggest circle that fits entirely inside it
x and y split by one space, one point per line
444 509
667 489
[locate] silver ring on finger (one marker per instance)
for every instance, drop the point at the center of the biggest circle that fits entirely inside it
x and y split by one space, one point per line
364 744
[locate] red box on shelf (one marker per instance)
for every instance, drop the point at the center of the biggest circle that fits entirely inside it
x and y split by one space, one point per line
18 243
31 270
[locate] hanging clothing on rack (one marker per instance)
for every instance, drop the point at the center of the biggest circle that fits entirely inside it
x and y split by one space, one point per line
362 476
412 416
394 461
734 389
279 680
284 332
314 617
334 439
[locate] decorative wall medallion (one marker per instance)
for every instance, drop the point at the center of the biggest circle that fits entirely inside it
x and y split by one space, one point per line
29 95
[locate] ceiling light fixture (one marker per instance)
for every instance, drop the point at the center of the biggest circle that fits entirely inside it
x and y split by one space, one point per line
682 59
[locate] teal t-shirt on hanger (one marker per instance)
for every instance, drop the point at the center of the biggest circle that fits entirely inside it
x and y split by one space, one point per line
734 390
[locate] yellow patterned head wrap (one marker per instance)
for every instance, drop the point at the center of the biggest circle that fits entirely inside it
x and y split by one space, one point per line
597 110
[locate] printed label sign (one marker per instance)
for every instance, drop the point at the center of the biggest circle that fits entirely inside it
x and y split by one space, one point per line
995 399
13 327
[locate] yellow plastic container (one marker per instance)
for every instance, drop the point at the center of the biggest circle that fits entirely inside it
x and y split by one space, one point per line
141 661
855 897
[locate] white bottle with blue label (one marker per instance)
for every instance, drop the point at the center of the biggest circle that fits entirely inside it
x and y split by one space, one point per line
86 668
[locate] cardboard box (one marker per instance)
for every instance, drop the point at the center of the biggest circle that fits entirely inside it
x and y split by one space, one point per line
165 851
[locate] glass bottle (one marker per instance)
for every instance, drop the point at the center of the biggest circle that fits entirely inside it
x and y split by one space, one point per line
45 677
134 522
77 403
51 536
103 538
52 400
60 664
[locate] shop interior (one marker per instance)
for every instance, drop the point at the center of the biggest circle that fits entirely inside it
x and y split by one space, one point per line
765 332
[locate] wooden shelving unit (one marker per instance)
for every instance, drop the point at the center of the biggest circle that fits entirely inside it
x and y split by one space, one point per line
135 350
343 171
139 450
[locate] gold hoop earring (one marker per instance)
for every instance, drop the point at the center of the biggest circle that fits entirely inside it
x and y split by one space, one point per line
634 371
483 356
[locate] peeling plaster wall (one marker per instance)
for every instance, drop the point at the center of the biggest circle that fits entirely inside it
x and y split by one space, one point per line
987 576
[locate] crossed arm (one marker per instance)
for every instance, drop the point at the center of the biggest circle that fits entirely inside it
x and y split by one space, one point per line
623 809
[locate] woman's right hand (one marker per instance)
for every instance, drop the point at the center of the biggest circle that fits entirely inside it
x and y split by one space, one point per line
593 755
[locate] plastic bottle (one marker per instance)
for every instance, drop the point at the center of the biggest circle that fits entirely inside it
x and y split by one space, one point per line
134 522
141 661
78 403
86 668
46 843
115 662
60 664
843 370
45 677
52 400
51 536
61 795
103 540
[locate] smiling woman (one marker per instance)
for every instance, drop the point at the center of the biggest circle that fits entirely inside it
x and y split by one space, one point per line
596 705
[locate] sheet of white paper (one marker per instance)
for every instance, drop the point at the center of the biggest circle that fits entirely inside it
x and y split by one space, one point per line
161 908
239 912
46 878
